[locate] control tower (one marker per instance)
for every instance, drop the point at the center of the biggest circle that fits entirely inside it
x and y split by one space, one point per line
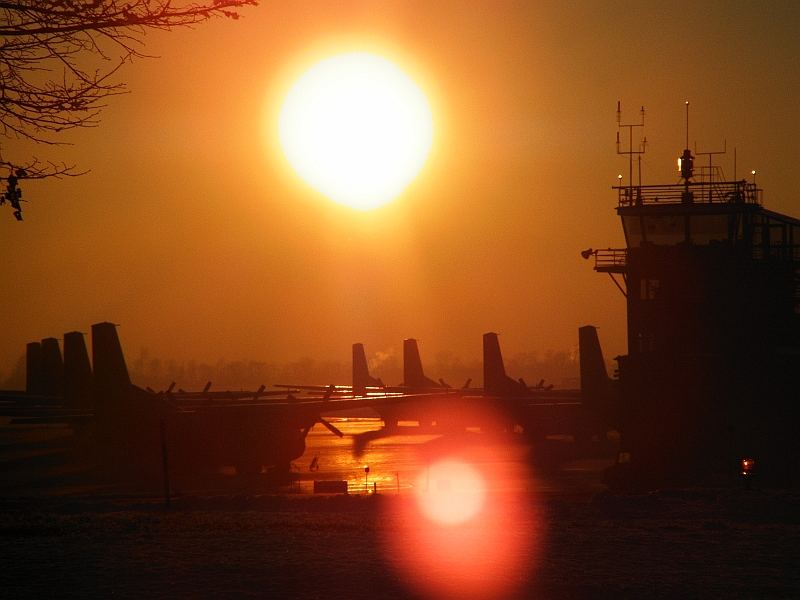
712 285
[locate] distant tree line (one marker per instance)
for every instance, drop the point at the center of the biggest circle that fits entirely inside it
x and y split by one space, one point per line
559 368
158 373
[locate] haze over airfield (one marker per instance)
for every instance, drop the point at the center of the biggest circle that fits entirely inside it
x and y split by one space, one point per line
193 232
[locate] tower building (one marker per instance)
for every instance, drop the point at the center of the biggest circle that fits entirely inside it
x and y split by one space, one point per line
712 285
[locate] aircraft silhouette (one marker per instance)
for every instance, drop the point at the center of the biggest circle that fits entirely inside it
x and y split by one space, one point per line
118 422
503 403
253 430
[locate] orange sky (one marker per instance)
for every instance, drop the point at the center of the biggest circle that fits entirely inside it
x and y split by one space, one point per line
192 232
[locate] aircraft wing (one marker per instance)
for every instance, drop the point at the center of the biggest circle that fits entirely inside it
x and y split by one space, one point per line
316 388
29 409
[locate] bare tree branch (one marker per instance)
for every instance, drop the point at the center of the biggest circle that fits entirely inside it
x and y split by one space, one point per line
59 61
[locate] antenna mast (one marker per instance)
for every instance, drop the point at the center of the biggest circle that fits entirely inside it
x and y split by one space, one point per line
687 124
630 151
686 163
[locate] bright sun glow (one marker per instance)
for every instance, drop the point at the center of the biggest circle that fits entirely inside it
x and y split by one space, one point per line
456 492
357 129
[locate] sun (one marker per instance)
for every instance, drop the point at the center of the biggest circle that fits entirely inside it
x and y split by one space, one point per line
356 128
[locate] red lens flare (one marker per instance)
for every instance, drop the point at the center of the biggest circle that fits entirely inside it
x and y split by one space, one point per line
471 529
455 492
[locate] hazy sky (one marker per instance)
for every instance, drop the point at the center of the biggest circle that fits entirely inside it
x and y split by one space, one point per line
193 233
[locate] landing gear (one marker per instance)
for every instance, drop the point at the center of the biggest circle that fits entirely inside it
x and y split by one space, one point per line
279 475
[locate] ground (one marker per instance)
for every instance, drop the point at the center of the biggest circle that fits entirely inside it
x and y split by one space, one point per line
570 540
688 543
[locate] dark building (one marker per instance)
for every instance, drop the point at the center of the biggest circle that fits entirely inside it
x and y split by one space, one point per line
712 280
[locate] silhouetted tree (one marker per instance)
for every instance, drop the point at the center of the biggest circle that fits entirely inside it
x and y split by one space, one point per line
58 64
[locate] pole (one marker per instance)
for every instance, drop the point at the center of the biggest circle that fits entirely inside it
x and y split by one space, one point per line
165 463
630 160
640 173
687 125
630 151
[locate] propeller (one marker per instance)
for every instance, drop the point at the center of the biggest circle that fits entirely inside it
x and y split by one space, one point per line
329 426
362 440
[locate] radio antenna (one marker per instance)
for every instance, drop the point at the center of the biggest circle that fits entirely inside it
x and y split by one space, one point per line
687 124
686 162
630 151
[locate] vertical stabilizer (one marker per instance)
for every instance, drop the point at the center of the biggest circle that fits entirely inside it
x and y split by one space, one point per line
593 368
77 371
413 376
495 380
596 387
361 377
110 371
127 419
52 368
33 368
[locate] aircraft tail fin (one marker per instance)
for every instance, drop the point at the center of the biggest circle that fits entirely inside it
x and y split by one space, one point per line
33 368
110 371
596 386
495 380
52 368
78 381
413 375
126 417
361 377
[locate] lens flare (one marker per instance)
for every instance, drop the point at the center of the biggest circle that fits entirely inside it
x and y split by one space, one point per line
469 532
456 492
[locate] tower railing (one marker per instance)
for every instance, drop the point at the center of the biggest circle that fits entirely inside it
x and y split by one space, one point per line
610 260
708 192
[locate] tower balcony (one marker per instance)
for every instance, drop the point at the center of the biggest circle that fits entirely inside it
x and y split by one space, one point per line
611 260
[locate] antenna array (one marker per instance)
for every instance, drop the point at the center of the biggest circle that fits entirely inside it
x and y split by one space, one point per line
630 151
